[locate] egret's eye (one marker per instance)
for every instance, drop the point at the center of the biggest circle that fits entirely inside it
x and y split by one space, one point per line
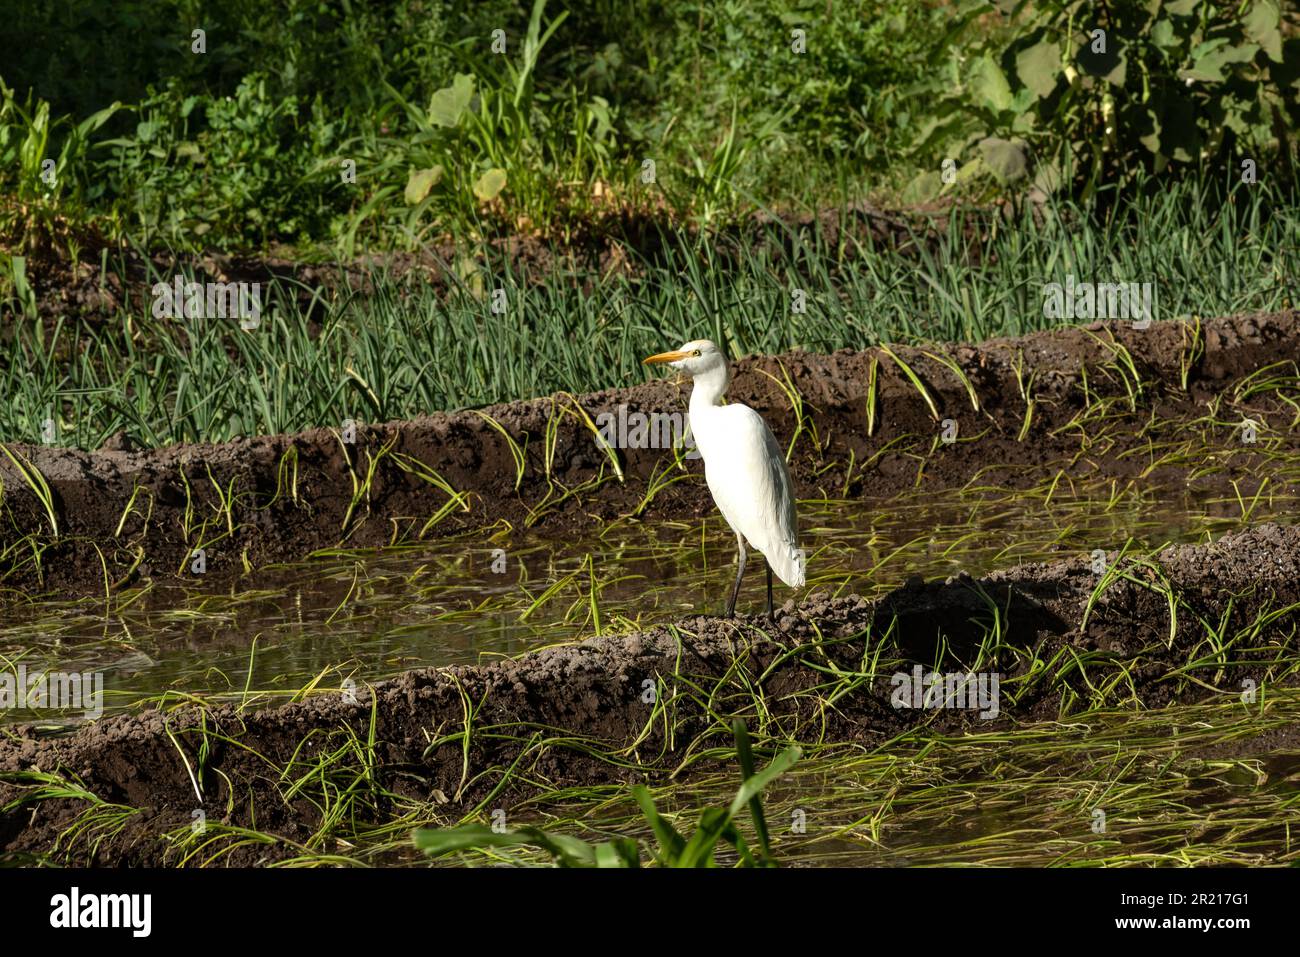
696 353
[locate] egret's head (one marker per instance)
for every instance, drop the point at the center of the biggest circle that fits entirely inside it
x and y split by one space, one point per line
695 358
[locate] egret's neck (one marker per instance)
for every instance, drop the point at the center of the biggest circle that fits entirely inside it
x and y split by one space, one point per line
710 386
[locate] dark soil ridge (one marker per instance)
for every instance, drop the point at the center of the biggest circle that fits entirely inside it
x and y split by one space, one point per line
179 503
577 715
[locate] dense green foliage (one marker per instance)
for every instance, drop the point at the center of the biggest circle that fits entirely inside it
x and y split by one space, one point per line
330 122
337 127
250 141
1094 94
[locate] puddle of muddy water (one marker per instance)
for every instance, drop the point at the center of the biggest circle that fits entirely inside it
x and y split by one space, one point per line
363 617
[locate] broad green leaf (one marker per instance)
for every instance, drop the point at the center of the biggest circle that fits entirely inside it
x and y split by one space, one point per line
420 182
923 188
972 169
1005 158
745 753
699 849
1162 35
490 184
448 104
620 852
755 785
1241 53
567 851
1208 66
1022 101
990 84
1039 66
1047 177
1240 116
670 840
1208 46
1261 25
96 120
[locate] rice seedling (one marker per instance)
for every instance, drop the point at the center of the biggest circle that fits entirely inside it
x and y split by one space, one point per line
913 378
951 365
872 397
1193 349
35 481
517 452
802 422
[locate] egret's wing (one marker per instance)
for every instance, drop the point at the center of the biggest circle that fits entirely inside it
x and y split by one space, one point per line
746 472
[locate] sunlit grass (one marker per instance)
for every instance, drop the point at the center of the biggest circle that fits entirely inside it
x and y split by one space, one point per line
407 349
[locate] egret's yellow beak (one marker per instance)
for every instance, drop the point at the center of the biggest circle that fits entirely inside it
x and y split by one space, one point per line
665 357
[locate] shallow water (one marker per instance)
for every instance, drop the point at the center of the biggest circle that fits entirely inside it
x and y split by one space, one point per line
368 616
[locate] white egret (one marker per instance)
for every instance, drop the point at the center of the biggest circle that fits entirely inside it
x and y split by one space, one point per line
743 466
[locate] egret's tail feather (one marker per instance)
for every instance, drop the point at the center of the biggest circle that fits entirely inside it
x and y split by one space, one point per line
788 562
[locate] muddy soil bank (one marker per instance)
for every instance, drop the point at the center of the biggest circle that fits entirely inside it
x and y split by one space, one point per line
580 714
1103 401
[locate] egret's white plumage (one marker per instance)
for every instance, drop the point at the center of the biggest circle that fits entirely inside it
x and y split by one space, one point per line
743 465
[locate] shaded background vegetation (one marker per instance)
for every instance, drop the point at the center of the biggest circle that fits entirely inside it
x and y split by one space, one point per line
245 144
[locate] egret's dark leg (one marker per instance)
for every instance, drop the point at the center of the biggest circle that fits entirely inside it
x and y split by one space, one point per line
740 572
770 613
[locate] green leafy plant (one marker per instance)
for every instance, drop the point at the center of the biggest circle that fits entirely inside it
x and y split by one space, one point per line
488 146
242 169
716 826
49 183
1074 93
